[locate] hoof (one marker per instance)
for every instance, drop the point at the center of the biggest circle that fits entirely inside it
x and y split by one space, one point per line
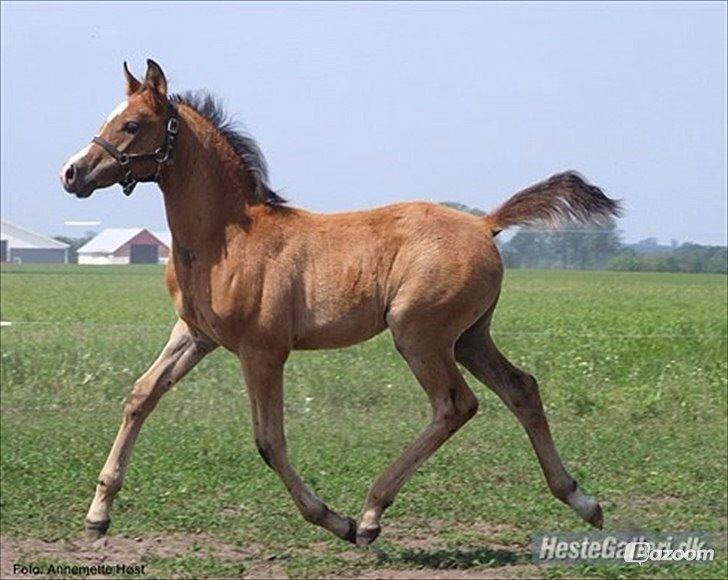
597 519
589 509
96 530
366 535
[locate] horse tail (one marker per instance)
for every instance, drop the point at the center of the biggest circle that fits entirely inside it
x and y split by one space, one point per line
564 197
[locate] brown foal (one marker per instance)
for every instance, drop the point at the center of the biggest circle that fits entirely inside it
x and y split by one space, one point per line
260 279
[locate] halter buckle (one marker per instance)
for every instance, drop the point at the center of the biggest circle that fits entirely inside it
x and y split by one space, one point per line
162 155
173 125
123 159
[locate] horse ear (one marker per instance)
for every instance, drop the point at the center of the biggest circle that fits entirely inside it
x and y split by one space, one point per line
132 84
155 78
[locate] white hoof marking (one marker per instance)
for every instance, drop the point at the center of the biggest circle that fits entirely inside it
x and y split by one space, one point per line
582 504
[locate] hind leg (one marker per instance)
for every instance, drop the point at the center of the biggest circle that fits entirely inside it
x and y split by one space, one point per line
519 391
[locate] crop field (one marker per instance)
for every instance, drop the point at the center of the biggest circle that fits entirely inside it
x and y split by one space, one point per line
633 373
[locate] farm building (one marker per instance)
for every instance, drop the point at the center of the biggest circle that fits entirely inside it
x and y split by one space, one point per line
23 246
126 246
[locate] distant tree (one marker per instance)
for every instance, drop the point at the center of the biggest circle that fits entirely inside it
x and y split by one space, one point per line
529 249
696 258
463 207
626 259
689 258
74 244
650 247
718 262
578 247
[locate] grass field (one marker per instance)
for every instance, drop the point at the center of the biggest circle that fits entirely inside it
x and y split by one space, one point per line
632 370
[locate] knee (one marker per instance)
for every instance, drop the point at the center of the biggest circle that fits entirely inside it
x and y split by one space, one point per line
142 397
468 405
136 406
523 393
460 407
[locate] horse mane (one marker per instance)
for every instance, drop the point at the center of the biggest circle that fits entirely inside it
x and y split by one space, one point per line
251 157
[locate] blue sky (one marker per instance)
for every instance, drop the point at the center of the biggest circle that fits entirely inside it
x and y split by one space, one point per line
360 105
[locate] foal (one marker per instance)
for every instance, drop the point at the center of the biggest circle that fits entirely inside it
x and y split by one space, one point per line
260 279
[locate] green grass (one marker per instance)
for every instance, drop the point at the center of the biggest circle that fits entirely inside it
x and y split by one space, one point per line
632 368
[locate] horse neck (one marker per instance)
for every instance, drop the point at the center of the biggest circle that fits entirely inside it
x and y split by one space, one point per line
205 191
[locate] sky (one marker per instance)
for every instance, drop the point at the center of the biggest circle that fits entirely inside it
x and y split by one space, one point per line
360 105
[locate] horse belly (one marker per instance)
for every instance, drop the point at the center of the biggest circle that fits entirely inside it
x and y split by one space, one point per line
343 328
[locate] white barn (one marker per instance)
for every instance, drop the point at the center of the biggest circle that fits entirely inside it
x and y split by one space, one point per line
126 246
23 246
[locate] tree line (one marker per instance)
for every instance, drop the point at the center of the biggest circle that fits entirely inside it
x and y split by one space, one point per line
601 248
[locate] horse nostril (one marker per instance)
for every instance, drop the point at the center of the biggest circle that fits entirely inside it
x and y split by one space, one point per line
70 174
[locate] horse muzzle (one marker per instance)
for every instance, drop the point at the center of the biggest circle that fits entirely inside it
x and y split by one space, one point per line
76 181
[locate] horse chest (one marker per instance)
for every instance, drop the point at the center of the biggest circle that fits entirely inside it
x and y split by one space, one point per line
209 303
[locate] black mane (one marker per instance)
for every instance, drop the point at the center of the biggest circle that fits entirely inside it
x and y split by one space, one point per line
251 157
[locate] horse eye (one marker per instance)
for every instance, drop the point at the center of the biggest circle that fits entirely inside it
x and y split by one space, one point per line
131 127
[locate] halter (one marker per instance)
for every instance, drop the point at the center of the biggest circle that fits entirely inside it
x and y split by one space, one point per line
162 154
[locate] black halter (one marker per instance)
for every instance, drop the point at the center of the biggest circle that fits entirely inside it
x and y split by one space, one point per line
162 155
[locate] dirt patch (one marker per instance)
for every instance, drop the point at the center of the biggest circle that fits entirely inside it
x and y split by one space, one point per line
264 570
644 502
120 549
417 550
8 556
633 512
229 512
423 539
427 535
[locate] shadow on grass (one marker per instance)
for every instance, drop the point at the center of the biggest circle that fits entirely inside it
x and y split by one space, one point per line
455 559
